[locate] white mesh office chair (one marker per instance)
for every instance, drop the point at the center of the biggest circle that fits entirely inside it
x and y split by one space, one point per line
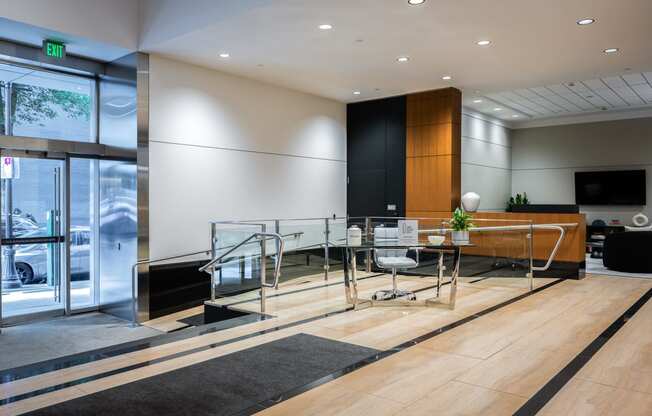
392 259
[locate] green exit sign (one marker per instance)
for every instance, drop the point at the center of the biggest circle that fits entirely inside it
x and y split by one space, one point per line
54 49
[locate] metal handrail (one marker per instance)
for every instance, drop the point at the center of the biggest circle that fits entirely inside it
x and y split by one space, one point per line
553 254
278 258
208 265
561 227
134 268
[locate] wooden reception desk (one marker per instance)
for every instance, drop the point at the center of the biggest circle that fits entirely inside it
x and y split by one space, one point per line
573 248
570 258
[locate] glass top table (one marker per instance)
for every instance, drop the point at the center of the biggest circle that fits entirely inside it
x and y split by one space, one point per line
350 252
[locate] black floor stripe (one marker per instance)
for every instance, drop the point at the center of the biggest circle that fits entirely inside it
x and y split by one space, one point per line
166 358
552 387
280 327
384 354
30 370
297 291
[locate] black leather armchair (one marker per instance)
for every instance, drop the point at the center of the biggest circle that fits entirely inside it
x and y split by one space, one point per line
629 252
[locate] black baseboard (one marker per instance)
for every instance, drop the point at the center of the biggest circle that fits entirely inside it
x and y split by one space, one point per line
562 270
175 287
546 209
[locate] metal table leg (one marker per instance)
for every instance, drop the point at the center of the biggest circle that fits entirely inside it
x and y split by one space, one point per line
456 271
354 279
440 272
347 280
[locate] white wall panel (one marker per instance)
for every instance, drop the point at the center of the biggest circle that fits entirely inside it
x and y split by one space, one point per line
493 185
486 161
191 186
225 148
545 161
485 153
194 105
475 127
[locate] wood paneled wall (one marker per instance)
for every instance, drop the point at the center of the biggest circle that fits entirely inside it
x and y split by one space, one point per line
433 152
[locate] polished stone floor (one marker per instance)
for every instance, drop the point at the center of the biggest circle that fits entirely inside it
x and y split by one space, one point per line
40 341
491 355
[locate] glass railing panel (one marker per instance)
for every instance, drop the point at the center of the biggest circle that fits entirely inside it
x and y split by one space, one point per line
305 252
240 269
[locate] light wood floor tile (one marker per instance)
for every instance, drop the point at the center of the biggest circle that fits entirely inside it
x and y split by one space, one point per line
584 398
518 369
332 399
408 375
492 333
626 360
455 398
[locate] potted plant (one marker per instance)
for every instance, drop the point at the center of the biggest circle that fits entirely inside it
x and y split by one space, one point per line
461 223
519 201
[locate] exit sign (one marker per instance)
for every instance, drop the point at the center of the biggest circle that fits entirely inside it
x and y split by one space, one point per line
54 49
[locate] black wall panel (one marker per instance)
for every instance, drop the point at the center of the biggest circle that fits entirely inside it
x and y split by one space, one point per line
376 157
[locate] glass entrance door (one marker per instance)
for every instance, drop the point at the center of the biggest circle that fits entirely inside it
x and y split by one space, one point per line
32 233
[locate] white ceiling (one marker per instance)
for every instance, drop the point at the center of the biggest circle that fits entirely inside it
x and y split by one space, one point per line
540 64
537 47
630 91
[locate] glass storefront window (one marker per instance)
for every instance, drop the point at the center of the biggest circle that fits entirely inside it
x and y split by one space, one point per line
83 234
49 105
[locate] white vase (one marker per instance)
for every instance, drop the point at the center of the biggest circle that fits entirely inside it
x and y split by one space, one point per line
460 237
354 236
471 202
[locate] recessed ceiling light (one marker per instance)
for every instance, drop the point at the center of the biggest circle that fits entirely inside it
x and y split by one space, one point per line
498 109
403 58
584 22
224 55
356 93
478 101
446 77
611 50
515 116
484 42
325 26
416 2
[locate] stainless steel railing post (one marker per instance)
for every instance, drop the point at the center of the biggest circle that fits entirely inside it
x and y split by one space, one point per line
530 237
263 270
277 230
367 226
213 255
134 300
327 265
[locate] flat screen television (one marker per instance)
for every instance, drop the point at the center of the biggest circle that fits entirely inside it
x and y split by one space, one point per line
623 187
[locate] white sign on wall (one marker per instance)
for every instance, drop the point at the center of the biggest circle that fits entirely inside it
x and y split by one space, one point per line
10 168
408 232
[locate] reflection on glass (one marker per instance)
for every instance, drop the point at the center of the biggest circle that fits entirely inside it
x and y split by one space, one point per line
118 235
118 114
48 105
82 232
31 273
3 94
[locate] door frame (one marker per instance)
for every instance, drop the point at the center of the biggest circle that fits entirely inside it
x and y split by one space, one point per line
62 205
25 147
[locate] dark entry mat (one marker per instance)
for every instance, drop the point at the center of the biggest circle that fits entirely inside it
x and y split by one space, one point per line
223 385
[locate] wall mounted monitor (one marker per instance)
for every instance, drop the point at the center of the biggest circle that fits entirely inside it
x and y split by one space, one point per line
625 187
